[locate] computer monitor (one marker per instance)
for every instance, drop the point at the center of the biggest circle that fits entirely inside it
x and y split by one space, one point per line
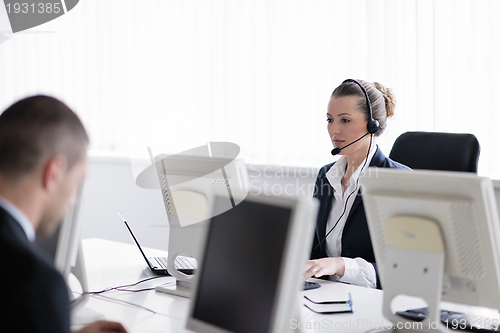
64 247
254 255
496 188
188 183
5 25
436 235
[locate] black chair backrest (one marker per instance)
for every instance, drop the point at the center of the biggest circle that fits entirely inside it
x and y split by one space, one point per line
437 151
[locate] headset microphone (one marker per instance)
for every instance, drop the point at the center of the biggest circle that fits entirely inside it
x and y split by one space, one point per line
335 151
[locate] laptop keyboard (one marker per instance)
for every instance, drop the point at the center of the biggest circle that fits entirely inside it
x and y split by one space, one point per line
180 262
183 263
160 261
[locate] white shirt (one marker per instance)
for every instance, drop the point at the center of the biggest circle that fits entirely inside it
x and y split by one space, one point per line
357 271
20 217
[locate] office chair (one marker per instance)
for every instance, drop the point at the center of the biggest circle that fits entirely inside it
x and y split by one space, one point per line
437 151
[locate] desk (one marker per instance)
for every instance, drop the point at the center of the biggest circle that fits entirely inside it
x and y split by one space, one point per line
111 264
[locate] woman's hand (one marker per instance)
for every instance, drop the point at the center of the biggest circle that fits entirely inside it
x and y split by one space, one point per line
324 266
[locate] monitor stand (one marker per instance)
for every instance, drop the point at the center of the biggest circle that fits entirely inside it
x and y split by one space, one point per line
414 271
80 273
183 241
81 315
181 288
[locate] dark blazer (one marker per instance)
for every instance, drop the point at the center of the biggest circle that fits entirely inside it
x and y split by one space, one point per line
356 241
34 295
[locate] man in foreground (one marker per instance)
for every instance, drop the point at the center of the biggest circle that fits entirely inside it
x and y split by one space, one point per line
43 152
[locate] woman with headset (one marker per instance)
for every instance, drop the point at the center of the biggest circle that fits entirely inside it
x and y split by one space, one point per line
342 249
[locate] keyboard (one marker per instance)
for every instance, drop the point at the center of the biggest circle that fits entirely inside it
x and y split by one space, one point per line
182 264
311 285
456 320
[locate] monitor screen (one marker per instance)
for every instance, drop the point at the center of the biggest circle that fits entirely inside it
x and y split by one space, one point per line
48 243
238 285
63 248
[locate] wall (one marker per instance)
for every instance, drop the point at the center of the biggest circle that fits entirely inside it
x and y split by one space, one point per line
110 188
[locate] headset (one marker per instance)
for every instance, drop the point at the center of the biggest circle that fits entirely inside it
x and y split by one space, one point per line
372 126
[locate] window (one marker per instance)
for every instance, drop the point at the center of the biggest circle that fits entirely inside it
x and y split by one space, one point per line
259 73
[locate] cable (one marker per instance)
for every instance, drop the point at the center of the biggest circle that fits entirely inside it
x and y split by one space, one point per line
347 200
121 288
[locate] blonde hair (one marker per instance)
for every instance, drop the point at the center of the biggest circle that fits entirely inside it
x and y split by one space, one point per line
382 100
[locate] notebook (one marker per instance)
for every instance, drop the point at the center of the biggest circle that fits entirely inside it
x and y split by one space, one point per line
158 265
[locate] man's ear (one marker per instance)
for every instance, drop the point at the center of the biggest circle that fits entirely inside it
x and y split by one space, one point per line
53 173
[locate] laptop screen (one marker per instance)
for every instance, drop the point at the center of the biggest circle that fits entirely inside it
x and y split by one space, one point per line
238 284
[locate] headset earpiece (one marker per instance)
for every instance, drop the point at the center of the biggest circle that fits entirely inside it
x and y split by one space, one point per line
373 126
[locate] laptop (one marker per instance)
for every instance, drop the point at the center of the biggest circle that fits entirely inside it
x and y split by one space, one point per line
158 265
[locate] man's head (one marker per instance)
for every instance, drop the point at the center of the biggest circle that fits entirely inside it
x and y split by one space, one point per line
43 149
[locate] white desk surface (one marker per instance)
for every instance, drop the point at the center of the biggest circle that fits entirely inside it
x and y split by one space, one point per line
111 264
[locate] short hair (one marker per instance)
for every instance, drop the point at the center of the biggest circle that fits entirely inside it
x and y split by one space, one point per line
34 130
382 100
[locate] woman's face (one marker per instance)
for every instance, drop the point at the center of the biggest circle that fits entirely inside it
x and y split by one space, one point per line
346 124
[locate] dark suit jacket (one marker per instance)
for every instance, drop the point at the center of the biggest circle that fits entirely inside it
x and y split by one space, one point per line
34 296
356 241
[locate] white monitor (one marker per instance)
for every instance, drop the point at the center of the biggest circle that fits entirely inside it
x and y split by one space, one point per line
5 26
188 183
64 247
250 275
496 188
435 234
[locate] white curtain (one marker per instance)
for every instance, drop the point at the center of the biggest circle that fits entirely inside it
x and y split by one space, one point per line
176 74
